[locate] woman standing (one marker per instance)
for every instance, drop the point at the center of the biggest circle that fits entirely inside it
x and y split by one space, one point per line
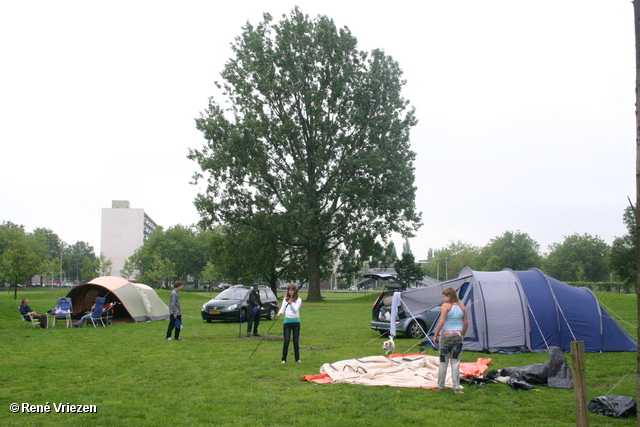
291 310
450 332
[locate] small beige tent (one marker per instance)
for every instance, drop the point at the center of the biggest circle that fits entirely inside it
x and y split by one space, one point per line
138 303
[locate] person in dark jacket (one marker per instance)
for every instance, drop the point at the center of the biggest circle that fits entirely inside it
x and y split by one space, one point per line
254 305
26 311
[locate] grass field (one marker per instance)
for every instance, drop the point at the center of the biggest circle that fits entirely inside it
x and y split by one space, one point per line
134 377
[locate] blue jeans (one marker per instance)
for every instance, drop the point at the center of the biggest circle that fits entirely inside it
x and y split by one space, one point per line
288 328
84 319
450 350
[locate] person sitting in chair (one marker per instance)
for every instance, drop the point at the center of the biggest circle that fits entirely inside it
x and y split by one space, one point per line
87 316
26 311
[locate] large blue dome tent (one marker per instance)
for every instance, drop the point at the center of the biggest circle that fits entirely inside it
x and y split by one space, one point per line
524 311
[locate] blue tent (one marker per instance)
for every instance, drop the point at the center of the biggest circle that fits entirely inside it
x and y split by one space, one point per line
525 311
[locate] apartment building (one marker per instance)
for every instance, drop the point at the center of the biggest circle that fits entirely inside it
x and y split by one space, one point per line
123 231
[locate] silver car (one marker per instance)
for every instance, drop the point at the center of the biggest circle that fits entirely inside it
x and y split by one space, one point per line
414 327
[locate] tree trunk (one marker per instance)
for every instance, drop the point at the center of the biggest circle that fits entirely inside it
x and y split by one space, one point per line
636 15
313 254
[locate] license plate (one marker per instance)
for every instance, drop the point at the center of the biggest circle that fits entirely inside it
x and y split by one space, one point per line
214 312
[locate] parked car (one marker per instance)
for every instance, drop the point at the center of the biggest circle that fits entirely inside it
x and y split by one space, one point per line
231 303
405 324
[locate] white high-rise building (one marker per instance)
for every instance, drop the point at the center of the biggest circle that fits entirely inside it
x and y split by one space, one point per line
123 231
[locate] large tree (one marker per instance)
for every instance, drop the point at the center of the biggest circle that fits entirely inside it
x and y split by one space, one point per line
316 137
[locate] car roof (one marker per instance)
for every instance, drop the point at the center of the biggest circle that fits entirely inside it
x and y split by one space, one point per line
247 287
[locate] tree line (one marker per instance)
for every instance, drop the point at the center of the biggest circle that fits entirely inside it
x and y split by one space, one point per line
578 258
24 255
235 256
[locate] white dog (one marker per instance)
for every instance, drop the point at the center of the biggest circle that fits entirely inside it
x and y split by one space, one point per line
389 346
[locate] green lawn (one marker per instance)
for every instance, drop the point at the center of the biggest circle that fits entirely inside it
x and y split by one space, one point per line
135 377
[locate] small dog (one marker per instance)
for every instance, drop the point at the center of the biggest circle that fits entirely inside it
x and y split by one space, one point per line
389 346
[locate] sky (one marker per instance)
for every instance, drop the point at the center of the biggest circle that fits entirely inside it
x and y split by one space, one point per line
526 109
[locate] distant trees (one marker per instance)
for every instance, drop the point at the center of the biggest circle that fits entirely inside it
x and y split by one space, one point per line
407 270
169 255
579 258
622 258
447 262
24 255
514 250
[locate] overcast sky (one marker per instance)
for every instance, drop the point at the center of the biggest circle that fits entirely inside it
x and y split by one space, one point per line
526 109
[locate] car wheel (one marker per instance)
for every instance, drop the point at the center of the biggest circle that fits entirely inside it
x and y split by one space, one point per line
243 314
415 329
272 314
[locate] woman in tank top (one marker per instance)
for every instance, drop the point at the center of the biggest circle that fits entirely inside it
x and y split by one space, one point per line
450 334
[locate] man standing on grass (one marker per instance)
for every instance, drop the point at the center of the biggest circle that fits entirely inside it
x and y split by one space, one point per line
174 311
254 305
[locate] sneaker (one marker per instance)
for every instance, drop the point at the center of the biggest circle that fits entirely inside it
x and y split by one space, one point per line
179 339
299 361
257 335
169 339
248 334
284 361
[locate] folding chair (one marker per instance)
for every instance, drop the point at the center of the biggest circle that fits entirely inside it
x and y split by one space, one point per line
96 314
63 310
27 318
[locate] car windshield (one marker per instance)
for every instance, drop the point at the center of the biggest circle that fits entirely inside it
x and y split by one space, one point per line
233 293
388 281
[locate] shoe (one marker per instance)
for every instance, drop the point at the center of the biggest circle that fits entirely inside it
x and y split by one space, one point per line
169 339
179 339
299 361
248 334
283 362
256 335
458 392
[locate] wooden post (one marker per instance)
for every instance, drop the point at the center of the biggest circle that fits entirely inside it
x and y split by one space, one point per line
579 383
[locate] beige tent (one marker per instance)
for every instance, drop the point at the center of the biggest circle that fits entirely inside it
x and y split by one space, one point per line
138 303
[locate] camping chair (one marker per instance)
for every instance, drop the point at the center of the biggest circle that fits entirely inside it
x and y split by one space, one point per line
28 318
96 315
63 310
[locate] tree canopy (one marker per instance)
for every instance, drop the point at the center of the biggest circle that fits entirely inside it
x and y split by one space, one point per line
578 258
514 250
316 138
